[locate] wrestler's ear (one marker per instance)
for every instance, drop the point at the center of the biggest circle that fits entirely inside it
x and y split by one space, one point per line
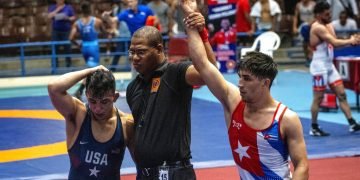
266 82
116 96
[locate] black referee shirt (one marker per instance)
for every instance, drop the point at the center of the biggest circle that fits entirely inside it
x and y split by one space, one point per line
161 109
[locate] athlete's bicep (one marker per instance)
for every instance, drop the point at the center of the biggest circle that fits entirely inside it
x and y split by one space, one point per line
292 132
66 105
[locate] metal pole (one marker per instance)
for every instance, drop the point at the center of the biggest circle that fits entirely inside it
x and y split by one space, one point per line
53 58
22 60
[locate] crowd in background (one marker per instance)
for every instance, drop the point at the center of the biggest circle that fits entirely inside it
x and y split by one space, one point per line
30 21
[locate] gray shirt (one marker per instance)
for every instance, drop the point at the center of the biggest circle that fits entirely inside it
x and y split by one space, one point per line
161 11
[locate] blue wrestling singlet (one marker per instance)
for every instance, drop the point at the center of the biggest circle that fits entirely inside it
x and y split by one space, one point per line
90 45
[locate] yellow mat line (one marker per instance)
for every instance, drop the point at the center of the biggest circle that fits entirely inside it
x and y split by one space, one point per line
36 114
33 152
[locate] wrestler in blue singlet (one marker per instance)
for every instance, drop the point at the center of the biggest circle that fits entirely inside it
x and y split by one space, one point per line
90 45
91 159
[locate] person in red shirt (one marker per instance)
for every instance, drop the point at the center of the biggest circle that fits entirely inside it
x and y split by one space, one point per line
243 19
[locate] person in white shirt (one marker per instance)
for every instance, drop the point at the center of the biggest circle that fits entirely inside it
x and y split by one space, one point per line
265 15
339 5
344 25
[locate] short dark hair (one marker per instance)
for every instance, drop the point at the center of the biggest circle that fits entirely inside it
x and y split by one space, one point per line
100 82
259 64
150 33
85 8
321 6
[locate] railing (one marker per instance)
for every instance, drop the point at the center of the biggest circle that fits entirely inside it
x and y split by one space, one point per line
24 57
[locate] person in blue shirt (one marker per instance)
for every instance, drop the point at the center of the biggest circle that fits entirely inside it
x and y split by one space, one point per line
135 17
62 15
97 132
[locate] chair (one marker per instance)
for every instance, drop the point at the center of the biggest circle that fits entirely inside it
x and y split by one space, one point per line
268 42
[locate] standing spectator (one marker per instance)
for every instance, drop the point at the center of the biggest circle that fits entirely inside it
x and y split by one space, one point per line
122 31
177 15
243 19
343 25
304 16
162 12
337 6
135 17
62 16
265 15
323 40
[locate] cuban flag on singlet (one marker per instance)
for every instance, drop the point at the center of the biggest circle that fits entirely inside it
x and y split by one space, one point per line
259 154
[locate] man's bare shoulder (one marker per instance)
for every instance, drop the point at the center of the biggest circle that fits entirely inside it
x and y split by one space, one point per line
290 114
316 26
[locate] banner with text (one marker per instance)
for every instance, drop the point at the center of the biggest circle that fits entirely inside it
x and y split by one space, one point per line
222 30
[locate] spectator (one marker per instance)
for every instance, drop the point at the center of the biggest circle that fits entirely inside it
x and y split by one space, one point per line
265 15
243 19
343 25
177 15
337 6
162 12
62 16
304 16
122 31
135 17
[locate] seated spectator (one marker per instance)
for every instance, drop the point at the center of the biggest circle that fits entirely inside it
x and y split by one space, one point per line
265 15
343 25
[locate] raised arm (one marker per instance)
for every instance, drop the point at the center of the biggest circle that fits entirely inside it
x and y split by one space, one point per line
62 101
55 11
293 134
326 33
197 21
208 72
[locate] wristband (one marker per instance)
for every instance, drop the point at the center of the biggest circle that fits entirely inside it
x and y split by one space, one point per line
204 34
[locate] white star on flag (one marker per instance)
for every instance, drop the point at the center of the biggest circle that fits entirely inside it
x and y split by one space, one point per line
94 171
241 150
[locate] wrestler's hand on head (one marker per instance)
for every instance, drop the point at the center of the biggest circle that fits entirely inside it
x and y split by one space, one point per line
195 20
100 67
188 6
